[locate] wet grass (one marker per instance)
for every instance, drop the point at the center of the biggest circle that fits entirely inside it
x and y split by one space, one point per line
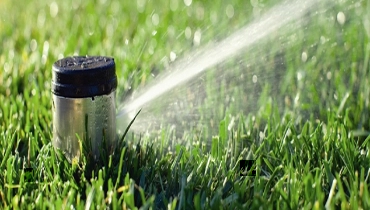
308 129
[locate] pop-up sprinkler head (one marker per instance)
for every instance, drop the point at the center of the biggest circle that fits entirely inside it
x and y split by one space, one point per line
84 110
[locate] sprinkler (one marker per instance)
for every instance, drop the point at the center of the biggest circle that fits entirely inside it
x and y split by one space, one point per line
84 110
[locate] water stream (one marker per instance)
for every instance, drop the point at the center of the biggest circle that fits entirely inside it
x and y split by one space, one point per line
238 74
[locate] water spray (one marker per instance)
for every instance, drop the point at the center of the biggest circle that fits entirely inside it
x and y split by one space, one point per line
84 110
191 67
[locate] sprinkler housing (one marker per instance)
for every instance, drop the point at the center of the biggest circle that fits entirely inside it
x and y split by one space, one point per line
84 110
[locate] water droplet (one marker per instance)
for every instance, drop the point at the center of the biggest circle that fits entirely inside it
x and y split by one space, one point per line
323 40
187 2
11 54
174 4
140 5
230 11
314 59
41 19
33 45
151 50
43 59
300 75
341 18
188 32
155 19
304 57
197 36
254 78
296 100
172 56
6 67
54 9
261 135
328 75
45 48
33 92
171 31
231 124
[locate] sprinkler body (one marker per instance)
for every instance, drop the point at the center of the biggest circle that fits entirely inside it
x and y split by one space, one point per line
84 107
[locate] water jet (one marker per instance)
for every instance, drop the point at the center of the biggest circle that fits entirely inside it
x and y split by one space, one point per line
169 91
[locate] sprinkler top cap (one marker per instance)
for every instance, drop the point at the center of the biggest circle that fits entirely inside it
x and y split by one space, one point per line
84 76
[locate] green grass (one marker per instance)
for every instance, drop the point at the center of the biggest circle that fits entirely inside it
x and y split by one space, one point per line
309 136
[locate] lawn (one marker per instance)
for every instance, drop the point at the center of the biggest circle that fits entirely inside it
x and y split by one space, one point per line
296 102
